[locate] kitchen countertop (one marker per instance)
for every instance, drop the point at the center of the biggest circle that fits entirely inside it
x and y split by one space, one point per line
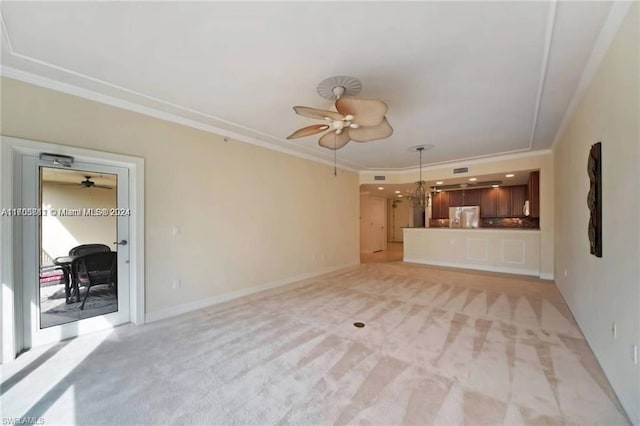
473 229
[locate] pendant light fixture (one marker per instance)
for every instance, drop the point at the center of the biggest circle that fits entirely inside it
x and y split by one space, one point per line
420 196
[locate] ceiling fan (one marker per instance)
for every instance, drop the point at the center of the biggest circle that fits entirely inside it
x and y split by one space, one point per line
86 183
357 119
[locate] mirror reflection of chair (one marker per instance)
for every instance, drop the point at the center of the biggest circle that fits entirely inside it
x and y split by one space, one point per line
73 281
95 268
88 248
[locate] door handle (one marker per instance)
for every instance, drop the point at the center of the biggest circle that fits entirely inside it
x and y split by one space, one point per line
121 243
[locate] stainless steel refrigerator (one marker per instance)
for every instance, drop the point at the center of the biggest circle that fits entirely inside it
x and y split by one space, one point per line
464 217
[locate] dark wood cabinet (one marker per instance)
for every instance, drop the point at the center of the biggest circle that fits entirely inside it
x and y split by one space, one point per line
456 198
518 197
488 202
506 201
466 197
471 197
503 201
440 206
534 194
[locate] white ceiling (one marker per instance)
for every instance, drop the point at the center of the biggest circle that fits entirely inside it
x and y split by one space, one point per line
472 78
50 174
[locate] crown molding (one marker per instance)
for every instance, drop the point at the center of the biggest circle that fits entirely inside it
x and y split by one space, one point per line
617 13
10 72
492 158
551 23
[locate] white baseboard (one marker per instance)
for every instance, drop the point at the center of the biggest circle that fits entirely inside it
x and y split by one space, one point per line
533 272
546 276
225 297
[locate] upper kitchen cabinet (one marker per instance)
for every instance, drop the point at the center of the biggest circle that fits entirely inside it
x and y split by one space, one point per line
456 199
466 197
440 205
518 197
471 197
534 194
488 202
503 201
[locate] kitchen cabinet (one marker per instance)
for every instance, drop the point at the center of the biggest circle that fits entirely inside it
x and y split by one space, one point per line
466 197
456 198
488 202
440 206
534 194
471 197
518 197
503 201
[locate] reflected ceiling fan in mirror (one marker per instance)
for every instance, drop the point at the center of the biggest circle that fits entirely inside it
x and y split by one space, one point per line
86 183
357 119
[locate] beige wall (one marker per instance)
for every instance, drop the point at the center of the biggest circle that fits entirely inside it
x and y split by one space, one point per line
61 233
247 215
531 161
600 291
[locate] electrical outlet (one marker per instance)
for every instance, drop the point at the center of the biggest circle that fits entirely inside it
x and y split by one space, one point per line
177 284
634 354
614 330
566 273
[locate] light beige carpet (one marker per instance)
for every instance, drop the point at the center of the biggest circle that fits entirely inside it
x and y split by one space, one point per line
439 347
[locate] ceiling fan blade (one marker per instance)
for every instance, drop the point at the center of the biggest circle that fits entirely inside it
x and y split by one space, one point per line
334 141
309 130
102 187
62 183
320 114
365 112
366 134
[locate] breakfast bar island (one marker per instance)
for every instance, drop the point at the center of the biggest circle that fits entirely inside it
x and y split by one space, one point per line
515 251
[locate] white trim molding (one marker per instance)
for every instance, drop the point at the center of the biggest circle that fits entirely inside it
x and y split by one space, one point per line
488 268
617 13
179 115
10 148
225 297
463 162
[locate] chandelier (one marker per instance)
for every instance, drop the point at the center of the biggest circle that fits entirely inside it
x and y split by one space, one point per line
420 196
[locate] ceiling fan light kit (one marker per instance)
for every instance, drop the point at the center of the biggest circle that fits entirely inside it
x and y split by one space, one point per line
357 119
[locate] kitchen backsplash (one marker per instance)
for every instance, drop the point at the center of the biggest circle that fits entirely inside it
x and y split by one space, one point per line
504 222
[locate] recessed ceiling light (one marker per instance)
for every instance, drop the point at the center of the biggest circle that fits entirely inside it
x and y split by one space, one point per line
509 175
439 182
399 195
397 192
495 186
381 187
473 179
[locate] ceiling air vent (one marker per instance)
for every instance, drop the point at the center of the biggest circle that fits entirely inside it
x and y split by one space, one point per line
379 177
460 170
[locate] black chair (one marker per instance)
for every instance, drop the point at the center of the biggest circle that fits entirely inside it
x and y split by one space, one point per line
88 248
96 268
73 281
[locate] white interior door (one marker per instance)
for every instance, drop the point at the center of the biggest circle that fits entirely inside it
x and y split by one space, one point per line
68 207
378 217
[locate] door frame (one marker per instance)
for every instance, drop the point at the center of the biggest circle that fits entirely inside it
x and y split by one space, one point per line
11 149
